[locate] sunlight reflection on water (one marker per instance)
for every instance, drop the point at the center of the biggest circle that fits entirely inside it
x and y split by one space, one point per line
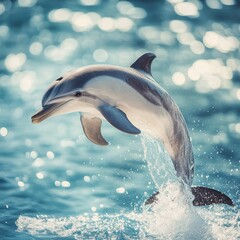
50 172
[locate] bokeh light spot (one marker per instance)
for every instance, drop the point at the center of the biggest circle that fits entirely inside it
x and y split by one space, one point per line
33 154
89 2
214 82
86 179
60 15
124 24
106 24
193 74
15 62
100 55
40 175
39 162
50 155
57 183
26 82
197 47
3 132
21 184
69 45
82 22
214 4
238 94
178 26
66 184
27 3
2 8
211 39
94 209
186 9
178 78
228 2
120 190
35 48
185 38
4 30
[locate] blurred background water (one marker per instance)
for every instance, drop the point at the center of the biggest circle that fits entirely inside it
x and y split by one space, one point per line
54 183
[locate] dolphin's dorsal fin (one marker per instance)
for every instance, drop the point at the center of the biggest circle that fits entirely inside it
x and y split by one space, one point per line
144 62
92 129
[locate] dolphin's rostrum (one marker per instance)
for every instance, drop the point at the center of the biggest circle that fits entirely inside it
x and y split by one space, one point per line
133 102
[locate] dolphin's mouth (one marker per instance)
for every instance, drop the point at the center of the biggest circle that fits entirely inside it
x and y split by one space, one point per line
47 111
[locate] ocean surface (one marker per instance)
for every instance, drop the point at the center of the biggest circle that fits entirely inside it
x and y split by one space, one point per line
54 183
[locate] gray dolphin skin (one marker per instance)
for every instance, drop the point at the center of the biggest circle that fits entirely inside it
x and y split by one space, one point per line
133 102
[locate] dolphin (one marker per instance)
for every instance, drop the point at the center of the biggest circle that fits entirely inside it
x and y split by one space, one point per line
132 101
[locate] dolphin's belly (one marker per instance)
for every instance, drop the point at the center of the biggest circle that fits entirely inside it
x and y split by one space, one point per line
152 119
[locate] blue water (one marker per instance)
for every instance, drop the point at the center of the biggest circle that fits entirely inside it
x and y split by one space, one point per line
54 183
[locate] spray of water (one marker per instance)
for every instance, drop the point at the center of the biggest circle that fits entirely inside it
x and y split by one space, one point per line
159 163
173 213
171 217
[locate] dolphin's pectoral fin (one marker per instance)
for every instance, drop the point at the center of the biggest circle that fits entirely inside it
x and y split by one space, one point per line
144 62
92 130
202 196
118 119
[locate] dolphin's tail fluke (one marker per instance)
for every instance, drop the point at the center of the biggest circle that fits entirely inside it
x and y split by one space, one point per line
207 196
202 196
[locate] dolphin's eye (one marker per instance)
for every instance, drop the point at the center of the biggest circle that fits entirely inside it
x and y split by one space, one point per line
78 94
59 79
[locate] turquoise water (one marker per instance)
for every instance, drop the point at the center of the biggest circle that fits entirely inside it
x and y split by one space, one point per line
54 183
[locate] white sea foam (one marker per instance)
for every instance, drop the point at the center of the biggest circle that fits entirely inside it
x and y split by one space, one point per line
175 222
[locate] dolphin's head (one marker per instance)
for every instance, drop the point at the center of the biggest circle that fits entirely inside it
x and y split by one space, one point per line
66 94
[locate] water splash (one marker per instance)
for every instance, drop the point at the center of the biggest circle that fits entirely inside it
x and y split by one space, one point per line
157 223
159 163
171 217
174 217
173 214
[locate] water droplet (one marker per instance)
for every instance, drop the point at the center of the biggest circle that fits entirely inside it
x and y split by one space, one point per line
120 190
94 209
57 183
86 179
33 154
3 132
66 184
21 184
38 162
40 175
50 155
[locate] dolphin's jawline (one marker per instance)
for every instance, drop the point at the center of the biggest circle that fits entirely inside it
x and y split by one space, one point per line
46 111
